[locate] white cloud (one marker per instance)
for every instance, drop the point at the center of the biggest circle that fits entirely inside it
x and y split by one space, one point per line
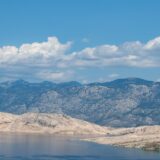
109 77
55 76
52 56
153 44
34 53
132 54
113 75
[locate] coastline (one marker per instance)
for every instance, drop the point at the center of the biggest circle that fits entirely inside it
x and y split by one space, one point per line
145 137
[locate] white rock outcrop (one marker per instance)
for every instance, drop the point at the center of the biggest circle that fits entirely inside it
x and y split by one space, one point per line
48 123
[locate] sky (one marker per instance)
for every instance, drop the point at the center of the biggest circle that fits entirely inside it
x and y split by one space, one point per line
85 40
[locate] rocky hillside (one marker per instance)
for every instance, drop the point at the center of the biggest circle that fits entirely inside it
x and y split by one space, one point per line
120 103
48 123
145 137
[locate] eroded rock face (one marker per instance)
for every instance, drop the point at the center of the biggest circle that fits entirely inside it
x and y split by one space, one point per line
120 103
48 123
145 137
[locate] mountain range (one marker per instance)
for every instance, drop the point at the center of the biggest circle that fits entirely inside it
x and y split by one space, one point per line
126 102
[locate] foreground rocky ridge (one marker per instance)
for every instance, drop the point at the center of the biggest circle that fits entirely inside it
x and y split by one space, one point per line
48 123
121 103
145 137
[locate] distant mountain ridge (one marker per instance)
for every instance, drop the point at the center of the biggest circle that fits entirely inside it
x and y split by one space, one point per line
120 103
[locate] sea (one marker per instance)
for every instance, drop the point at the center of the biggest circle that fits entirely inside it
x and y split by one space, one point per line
49 147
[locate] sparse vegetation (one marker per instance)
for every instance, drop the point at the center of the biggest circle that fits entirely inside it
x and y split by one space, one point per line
153 146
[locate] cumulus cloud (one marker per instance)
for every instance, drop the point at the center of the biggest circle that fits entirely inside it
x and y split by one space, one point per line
55 76
133 54
34 53
51 60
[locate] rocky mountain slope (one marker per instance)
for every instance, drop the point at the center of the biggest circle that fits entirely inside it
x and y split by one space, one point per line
120 103
48 123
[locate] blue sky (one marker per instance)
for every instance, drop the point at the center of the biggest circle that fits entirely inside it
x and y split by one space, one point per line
98 40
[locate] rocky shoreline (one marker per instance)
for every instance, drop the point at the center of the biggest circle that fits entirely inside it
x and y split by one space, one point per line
144 137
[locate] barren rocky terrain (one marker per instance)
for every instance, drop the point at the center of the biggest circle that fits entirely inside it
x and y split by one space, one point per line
48 123
145 137
127 102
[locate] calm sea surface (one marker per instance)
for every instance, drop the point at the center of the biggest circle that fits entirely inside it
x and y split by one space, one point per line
38 147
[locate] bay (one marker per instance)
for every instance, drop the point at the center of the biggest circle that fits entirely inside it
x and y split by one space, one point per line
49 147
